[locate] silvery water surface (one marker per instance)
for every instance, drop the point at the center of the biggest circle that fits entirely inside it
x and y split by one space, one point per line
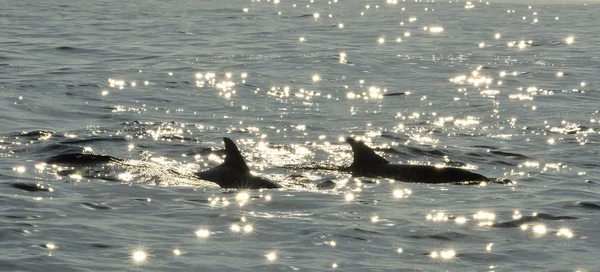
509 90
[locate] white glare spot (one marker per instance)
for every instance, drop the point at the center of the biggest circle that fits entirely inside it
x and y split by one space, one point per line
202 233
564 232
139 256
271 256
539 229
570 40
242 197
349 197
398 193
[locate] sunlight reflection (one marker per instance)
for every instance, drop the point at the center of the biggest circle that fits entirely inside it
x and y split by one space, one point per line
202 233
570 40
438 217
242 196
349 197
19 169
139 256
436 29
565 232
539 229
444 254
271 256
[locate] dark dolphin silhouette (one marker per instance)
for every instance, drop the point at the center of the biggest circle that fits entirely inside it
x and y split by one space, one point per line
234 173
368 164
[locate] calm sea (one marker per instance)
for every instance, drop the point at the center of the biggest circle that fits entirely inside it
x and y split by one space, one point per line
509 90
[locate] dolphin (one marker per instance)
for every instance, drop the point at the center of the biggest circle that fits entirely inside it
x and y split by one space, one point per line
234 173
368 164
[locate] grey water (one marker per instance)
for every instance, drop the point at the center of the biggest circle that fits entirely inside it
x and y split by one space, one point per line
506 89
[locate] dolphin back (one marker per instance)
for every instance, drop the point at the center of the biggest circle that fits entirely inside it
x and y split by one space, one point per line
365 158
368 164
234 173
233 157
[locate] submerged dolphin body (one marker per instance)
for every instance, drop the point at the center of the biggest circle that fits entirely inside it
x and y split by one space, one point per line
234 173
368 164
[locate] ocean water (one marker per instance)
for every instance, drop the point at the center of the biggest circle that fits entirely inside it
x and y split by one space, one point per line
507 89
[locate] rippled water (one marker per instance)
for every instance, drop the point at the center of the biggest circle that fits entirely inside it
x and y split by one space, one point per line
507 90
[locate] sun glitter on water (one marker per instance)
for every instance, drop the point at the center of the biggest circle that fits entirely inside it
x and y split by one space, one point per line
139 256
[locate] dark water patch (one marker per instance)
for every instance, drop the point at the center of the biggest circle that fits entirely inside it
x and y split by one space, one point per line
486 147
304 16
397 137
30 187
20 232
176 138
90 174
82 159
484 257
328 184
393 151
72 49
203 201
509 154
365 231
444 236
24 217
584 204
39 134
507 163
351 237
420 152
63 71
89 85
95 206
65 48
394 94
540 217
94 140
98 245
58 148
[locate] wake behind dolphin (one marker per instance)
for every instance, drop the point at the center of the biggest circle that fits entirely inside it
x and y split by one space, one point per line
368 164
234 173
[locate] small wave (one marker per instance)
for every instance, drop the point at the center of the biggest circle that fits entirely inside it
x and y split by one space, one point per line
65 48
531 218
82 159
95 206
444 236
30 187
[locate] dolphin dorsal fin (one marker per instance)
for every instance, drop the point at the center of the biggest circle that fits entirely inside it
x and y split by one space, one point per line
233 157
364 155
